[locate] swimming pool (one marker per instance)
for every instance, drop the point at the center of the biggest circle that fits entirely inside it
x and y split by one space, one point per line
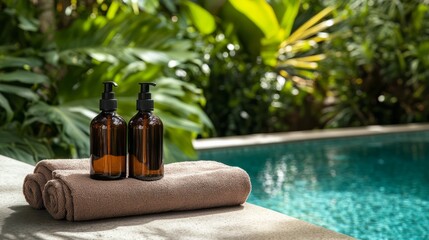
368 187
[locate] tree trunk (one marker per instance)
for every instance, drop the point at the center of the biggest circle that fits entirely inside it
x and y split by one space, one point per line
47 18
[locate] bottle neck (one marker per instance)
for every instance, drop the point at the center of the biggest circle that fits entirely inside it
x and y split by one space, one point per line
145 111
110 112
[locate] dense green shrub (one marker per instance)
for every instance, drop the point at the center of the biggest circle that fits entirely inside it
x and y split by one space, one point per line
377 69
54 58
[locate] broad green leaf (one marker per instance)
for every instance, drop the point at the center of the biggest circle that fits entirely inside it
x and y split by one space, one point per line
28 24
51 57
19 91
173 151
201 18
18 153
132 68
5 105
113 9
422 50
178 122
149 6
288 19
260 13
23 147
24 77
161 57
73 126
186 109
102 56
418 16
171 92
169 5
8 61
150 56
183 145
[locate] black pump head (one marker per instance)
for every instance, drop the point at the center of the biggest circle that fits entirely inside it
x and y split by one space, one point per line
108 101
144 101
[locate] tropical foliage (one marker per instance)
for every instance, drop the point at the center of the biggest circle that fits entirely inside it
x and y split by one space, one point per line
50 78
260 63
245 66
377 69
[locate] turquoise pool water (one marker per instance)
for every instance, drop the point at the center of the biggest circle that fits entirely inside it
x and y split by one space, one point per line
374 187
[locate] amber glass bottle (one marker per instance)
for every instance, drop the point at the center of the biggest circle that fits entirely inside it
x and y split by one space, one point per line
108 139
145 140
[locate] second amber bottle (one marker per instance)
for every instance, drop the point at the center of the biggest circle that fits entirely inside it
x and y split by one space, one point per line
145 139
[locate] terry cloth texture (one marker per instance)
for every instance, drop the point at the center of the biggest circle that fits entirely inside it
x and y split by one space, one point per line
35 182
185 186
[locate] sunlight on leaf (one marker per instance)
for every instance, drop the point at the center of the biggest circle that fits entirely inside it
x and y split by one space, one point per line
302 30
201 18
260 13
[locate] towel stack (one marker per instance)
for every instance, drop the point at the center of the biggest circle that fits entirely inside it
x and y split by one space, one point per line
34 183
70 193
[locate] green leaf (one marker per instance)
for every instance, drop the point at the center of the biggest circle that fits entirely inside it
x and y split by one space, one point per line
17 153
71 122
132 68
178 122
5 105
161 57
260 13
201 18
169 5
8 61
178 149
23 147
186 109
288 19
28 24
24 77
113 9
149 6
19 91
310 28
102 56
252 20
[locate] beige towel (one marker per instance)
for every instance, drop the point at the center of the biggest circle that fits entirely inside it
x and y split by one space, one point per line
35 182
185 186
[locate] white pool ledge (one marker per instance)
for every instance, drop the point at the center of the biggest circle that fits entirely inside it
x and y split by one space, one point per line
270 138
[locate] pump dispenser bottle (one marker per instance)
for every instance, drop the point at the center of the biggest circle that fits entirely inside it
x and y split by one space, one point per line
145 139
108 139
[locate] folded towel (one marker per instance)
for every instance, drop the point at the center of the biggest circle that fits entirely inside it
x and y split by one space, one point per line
35 182
185 186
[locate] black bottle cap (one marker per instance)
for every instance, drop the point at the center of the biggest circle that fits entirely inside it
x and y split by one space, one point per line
144 101
108 101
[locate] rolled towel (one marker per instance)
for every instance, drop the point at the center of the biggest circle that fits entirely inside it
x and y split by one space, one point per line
186 186
35 182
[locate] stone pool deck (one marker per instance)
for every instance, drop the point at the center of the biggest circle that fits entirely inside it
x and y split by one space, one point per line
19 221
